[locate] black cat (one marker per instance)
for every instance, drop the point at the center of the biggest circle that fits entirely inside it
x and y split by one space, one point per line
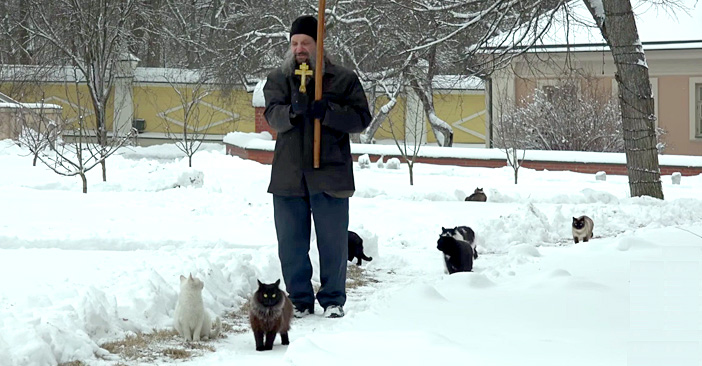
462 233
458 254
270 314
356 249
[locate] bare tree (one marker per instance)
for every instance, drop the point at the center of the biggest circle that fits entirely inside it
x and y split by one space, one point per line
83 154
508 137
38 127
197 116
90 37
408 136
615 19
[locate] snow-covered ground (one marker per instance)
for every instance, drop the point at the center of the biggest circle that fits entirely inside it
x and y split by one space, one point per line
79 269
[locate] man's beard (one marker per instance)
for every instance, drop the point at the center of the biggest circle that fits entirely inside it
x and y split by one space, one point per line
290 63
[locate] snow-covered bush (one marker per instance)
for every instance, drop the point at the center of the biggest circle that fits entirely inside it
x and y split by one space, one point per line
564 117
364 161
393 163
380 162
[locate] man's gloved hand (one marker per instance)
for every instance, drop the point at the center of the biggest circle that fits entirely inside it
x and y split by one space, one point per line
319 109
298 103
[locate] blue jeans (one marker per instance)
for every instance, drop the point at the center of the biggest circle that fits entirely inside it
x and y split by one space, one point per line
293 222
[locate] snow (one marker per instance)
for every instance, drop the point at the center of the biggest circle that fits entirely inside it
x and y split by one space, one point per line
263 141
29 106
82 269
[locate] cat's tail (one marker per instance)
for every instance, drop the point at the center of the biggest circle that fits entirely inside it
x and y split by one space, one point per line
217 328
366 258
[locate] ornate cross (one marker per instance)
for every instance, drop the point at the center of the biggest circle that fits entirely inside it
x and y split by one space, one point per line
304 71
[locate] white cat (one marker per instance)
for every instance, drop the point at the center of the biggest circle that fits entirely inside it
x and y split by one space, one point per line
191 319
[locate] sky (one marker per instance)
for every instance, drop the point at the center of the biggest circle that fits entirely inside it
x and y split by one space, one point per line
80 270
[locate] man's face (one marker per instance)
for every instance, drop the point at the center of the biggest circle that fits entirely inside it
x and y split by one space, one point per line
303 47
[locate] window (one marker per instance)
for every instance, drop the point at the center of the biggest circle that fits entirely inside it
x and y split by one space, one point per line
698 110
555 89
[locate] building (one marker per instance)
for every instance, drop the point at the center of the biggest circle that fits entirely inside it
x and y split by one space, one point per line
672 41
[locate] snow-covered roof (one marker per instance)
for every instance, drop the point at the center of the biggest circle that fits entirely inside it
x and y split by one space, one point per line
16 105
458 82
6 99
659 26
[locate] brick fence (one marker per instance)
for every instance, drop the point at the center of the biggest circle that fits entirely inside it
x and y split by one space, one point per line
266 157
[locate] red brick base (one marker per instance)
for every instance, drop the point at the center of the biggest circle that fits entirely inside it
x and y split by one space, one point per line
266 157
261 124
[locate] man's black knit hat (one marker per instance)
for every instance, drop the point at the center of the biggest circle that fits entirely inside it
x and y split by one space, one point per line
305 24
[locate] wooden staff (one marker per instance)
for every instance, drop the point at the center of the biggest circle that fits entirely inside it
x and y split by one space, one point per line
318 78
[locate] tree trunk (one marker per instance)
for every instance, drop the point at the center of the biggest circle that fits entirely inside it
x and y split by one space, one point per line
411 172
441 129
85 182
367 135
635 97
104 170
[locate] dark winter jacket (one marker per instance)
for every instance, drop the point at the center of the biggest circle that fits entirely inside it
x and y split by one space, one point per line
347 112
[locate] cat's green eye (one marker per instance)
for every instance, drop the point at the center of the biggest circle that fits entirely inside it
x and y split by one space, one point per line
265 295
273 295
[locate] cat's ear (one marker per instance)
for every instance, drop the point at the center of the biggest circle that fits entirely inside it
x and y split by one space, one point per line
259 283
277 283
191 276
443 228
182 278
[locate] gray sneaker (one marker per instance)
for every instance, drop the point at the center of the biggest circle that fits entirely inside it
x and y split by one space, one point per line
334 311
302 312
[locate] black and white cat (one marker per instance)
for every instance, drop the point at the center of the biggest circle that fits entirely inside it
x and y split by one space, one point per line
458 254
270 314
356 249
462 233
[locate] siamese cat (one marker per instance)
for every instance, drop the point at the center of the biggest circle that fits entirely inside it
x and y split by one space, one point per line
458 254
462 233
478 195
356 249
582 228
270 314
191 320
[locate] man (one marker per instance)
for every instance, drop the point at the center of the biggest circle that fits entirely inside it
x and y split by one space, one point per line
302 193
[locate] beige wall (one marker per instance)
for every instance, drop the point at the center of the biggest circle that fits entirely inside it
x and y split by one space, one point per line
674 115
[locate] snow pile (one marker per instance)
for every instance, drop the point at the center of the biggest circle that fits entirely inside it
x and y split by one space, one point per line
83 269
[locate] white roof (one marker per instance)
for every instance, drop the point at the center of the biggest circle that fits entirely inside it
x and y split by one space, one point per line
659 27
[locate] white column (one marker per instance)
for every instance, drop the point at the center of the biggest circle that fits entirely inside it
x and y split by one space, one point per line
124 97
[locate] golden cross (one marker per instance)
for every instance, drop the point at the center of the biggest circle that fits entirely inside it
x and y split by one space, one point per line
304 71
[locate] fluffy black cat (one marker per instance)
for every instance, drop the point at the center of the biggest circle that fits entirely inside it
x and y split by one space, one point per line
356 249
458 254
462 233
270 314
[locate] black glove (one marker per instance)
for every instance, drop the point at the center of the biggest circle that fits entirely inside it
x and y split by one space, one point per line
298 103
319 109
